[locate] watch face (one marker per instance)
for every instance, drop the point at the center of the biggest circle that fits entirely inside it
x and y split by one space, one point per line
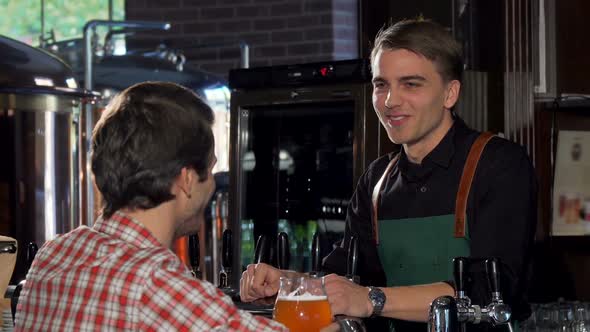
377 298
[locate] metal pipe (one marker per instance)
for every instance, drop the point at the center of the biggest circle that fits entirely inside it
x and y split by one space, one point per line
93 24
513 93
89 27
519 111
216 214
244 55
110 10
42 23
530 82
506 74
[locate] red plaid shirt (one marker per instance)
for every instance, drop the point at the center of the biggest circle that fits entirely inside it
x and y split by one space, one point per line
117 276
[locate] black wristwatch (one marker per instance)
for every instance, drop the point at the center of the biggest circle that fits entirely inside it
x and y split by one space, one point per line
377 298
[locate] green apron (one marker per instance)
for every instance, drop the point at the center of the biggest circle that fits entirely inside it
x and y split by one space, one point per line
420 250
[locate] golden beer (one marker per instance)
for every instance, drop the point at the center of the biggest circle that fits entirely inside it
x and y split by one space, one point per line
302 304
303 313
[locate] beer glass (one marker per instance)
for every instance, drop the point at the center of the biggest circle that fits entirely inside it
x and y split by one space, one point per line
302 304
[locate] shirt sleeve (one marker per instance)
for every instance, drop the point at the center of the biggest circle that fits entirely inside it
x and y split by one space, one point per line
502 224
174 301
358 223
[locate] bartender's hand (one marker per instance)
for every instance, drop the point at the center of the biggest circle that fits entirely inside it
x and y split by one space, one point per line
259 281
346 297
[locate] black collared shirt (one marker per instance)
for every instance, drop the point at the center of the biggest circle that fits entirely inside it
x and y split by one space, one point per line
501 209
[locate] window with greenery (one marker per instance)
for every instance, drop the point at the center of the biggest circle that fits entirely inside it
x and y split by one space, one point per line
21 20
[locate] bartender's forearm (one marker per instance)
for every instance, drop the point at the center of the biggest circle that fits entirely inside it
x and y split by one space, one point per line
413 302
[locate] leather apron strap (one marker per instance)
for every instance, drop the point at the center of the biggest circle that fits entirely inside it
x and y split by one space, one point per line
377 193
462 194
467 179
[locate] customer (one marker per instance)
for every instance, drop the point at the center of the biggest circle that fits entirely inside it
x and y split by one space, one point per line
152 156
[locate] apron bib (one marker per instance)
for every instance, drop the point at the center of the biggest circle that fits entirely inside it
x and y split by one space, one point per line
420 250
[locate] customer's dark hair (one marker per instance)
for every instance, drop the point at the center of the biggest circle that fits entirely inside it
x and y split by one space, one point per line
146 135
426 38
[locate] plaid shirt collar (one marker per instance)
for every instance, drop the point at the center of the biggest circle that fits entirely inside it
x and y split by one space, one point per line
127 229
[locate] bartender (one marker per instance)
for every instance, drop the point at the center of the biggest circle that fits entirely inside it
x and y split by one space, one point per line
449 192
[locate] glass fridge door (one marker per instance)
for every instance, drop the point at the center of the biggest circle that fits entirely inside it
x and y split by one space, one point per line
296 176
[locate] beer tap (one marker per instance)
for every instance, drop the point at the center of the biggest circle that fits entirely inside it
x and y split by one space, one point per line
32 249
463 302
443 314
352 260
316 263
444 308
194 255
283 254
261 252
497 312
226 260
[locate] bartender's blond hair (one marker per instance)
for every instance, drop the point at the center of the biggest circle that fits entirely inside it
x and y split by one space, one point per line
427 38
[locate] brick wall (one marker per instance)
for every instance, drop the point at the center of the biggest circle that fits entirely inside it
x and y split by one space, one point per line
277 31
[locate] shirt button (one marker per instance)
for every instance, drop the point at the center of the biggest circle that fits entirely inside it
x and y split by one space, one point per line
423 189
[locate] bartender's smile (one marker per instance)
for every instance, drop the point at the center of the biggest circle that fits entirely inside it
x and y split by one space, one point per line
410 97
396 120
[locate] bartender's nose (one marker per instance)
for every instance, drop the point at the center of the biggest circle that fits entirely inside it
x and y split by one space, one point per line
392 99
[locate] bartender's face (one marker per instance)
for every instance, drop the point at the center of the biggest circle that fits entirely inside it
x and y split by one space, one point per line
411 99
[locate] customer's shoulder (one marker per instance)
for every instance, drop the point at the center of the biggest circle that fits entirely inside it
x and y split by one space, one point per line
76 235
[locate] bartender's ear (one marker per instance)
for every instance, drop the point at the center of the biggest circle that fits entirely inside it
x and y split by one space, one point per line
453 88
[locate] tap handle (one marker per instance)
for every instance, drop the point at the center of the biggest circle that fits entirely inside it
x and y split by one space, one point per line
493 272
459 268
283 251
32 249
261 250
316 264
194 252
227 250
353 253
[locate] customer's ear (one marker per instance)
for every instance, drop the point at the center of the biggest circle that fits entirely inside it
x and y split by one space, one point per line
184 181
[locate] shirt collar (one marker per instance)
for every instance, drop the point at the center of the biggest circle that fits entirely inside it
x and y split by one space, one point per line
441 155
127 229
444 151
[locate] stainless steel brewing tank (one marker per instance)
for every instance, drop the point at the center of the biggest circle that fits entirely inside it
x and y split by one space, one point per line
39 114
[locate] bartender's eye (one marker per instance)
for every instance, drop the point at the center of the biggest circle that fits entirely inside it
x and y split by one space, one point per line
379 85
411 84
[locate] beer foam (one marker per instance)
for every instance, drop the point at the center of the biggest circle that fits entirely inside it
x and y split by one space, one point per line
303 297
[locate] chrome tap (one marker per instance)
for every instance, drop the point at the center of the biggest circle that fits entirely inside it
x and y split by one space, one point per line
194 254
283 254
443 314
316 259
497 312
226 262
352 260
461 308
